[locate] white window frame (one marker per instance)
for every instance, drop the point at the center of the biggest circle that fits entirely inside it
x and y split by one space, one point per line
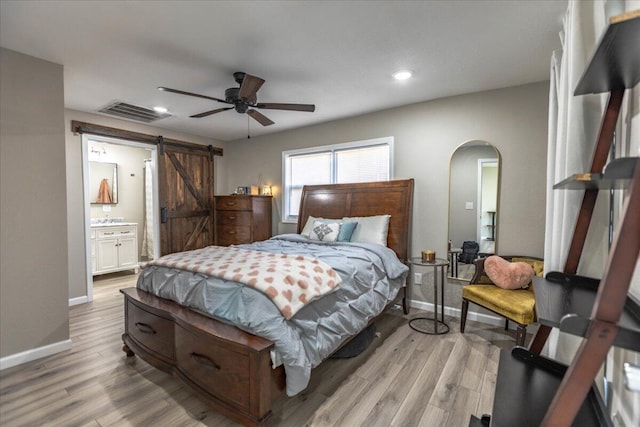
387 140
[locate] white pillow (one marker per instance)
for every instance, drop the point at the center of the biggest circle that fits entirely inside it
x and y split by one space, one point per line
370 229
325 231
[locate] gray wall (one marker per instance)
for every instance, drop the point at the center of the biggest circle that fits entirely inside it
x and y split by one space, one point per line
33 211
75 197
514 120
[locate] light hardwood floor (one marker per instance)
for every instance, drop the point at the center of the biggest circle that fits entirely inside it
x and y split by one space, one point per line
404 378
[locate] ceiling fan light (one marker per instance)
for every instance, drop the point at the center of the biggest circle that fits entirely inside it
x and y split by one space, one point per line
402 75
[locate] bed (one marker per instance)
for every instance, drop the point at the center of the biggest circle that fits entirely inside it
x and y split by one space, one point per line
238 372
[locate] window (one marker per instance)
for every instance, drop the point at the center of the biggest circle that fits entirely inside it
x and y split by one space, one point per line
360 161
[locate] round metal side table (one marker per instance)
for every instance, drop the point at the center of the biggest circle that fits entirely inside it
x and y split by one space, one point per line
432 325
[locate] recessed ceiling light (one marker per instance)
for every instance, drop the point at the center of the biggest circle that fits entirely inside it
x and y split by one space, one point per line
402 75
160 110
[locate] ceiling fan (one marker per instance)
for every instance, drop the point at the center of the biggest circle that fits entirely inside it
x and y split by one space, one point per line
244 99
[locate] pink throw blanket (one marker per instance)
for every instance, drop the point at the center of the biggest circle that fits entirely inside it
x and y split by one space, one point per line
291 281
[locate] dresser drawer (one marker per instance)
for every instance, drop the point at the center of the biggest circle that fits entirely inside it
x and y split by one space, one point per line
234 218
220 371
232 235
233 203
150 330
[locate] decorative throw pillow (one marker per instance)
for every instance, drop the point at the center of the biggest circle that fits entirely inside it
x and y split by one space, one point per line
346 227
508 275
538 265
325 231
346 231
306 230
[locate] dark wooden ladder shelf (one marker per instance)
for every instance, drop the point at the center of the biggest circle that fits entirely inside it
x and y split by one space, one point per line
566 301
617 175
525 386
535 391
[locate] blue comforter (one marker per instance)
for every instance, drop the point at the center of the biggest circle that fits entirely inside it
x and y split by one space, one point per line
371 278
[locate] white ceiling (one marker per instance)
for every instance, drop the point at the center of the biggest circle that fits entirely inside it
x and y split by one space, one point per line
337 55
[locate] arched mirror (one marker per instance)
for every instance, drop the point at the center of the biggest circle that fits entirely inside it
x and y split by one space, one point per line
474 182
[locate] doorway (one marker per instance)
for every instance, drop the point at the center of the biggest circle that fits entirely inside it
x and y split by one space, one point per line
124 201
487 204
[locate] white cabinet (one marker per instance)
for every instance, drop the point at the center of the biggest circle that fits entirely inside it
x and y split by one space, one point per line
94 265
114 248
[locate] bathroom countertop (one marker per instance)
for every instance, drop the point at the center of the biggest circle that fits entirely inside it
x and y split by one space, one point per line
113 224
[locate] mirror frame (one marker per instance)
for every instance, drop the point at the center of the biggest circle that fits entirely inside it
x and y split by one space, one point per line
498 191
113 182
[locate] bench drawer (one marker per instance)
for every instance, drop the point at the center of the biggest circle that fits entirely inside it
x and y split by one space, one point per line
220 371
151 331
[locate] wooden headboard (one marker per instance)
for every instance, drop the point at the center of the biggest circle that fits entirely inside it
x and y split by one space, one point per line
364 199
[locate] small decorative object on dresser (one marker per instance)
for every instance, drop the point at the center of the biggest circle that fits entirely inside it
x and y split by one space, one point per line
242 219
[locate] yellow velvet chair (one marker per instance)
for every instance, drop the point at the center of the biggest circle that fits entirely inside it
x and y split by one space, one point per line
517 305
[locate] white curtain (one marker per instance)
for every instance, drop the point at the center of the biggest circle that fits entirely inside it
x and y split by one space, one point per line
147 231
574 122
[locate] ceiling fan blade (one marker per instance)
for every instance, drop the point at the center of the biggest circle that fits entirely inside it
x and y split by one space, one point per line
292 107
250 86
208 113
260 118
182 92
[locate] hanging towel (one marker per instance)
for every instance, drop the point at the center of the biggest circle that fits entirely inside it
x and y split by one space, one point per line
104 193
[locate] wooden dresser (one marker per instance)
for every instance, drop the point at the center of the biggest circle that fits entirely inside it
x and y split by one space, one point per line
242 219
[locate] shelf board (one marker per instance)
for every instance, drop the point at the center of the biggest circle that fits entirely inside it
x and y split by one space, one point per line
617 175
566 302
525 387
613 65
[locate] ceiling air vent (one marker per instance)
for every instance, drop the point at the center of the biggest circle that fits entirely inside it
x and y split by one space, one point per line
132 112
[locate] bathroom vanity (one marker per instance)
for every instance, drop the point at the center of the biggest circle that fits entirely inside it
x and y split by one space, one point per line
114 247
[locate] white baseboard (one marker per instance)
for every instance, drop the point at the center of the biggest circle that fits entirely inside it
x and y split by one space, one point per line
449 311
78 300
33 354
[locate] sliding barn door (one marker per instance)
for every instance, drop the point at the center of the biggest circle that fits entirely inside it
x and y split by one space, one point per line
186 199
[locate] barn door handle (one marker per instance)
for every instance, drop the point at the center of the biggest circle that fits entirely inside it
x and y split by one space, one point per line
163 215
205 361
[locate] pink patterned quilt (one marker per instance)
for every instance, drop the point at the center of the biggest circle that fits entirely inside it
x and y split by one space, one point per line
291 281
